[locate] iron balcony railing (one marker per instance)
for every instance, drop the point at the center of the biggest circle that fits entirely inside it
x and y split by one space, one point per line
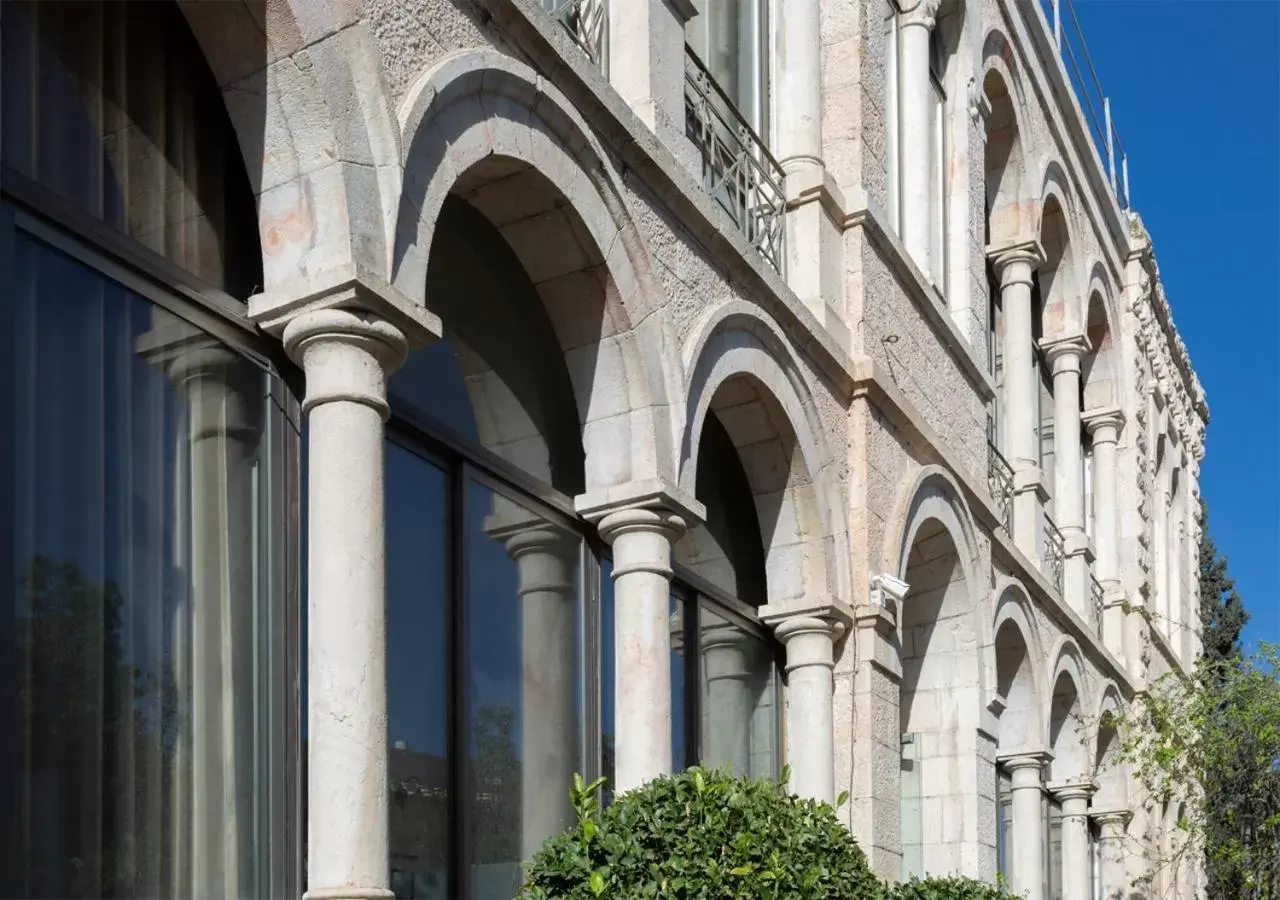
1095 104
1053 553
1000 483
737 169
1095 603
584 21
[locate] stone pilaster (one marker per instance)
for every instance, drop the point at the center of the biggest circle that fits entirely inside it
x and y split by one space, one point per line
809 634
646 65
875 808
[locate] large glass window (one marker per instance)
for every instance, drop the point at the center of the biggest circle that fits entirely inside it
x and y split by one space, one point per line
731 39
146 602
417 519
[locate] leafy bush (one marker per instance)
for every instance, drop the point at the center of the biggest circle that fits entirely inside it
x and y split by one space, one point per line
700 835
951 888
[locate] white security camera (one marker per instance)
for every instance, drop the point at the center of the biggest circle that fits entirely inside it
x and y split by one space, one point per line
886 587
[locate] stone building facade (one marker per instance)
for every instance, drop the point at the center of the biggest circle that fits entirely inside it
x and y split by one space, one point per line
419 401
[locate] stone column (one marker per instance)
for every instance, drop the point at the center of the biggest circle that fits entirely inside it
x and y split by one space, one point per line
799 76
1028 862
917 21
1065 355
1074 797
809 634
347 356
875 807
641 523
726 666
1104 427
1014 266
547 559
1112 826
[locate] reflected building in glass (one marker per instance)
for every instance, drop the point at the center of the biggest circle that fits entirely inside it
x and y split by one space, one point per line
405 412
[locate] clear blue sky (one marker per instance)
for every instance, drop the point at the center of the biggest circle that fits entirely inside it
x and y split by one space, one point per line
1195 96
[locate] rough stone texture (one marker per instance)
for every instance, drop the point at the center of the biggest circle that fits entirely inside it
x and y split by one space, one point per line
863 434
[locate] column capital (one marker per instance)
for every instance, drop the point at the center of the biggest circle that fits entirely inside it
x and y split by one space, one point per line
640 505
1014 262
808 632
1066 352
921 13
1024 759
360 294
1072 789
1114 817
346 355
1104 423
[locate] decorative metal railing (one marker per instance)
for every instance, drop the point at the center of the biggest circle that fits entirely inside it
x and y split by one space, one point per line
584 21
1095 603
1000 483
1095 104
737 169
1053 553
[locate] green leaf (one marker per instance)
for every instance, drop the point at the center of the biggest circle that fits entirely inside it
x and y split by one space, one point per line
596 883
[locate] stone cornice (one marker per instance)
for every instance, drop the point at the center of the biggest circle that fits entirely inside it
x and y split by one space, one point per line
1157 336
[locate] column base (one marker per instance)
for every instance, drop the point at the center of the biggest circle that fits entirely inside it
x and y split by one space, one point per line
348 893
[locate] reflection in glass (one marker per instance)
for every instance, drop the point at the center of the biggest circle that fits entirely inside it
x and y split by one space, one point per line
739 708
139 140
680 758
417 683
153 717
524 676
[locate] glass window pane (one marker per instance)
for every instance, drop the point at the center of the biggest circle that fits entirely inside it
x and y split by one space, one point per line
417 676
680 759
524 676
739 698
148 625
138 140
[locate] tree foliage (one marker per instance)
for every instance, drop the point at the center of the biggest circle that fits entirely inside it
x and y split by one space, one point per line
700 835
1222 612
1219 730
706 835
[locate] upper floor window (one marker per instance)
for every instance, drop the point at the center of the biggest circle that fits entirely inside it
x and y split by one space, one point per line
730 37
938 150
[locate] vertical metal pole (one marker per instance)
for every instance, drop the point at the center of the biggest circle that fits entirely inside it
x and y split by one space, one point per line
1057 23
1124 172
1111 144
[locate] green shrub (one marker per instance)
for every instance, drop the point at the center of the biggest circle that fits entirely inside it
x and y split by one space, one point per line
702 835
951 888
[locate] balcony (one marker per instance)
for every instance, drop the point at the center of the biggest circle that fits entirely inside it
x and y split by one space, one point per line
1095 604
584 21
737 169
1000 484
1052 553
